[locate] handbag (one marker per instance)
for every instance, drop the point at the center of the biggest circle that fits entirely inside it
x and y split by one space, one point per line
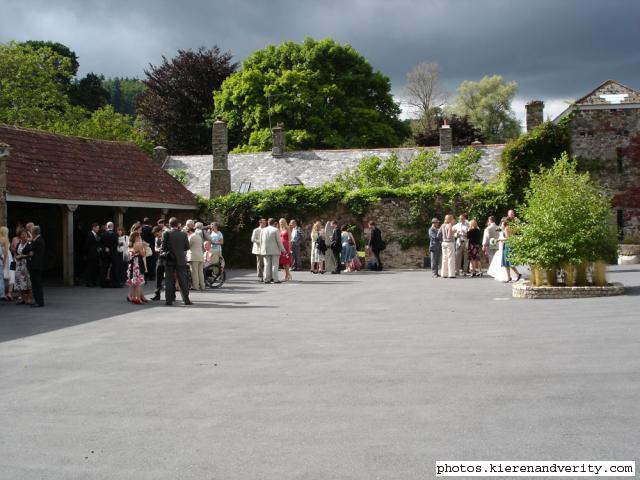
12 266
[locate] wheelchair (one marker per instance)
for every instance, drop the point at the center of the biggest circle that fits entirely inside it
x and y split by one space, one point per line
214 274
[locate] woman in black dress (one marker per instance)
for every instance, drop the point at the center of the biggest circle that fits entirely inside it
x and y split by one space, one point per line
475 248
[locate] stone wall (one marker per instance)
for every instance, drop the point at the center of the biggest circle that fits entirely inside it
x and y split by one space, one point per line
391 217
526 290
608 142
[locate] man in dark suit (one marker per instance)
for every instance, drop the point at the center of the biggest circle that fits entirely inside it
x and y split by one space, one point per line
35 264
174 248
157 233
336 244
92 251
109 266
147 236
375 244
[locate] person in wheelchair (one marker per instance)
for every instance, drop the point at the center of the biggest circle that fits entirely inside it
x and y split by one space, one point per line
214 274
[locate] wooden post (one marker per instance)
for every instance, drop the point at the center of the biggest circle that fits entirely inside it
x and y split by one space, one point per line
120 211
67 244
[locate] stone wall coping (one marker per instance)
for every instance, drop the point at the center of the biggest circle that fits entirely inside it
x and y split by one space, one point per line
526 290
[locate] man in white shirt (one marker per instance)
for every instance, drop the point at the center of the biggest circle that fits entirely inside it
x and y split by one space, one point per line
255 249
490 232
462 244
297 237
270 248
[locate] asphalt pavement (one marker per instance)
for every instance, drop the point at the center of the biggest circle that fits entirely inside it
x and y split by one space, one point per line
351 376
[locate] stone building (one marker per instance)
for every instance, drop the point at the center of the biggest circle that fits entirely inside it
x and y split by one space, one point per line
63 183
604 128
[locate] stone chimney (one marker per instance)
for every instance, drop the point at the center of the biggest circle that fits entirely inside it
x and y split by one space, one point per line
279 140
220 175
160 155
535 114
4 156
446 137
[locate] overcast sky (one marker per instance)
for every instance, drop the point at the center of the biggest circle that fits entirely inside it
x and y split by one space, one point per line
556 50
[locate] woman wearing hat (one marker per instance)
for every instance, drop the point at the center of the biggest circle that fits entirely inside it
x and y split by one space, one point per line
435 246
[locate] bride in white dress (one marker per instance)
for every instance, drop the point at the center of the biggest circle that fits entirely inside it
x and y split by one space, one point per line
496 270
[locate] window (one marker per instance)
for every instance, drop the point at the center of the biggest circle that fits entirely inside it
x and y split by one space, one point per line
294 182
245 187
620 160
620 222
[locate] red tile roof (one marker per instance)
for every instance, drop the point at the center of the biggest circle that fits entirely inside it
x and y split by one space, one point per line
46 165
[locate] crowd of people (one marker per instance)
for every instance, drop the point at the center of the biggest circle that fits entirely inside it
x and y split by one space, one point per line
277 244
22 261
113 257
461 248
177 257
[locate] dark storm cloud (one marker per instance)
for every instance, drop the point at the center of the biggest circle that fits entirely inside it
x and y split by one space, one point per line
554 49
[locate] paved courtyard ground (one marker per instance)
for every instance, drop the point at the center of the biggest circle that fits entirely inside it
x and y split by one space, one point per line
356 376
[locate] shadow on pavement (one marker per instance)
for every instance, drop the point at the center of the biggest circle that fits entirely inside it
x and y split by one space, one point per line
71 306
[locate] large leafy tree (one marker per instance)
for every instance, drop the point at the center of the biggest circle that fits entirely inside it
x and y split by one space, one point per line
68 69
327 95
487 103
176 103
32 85
34 93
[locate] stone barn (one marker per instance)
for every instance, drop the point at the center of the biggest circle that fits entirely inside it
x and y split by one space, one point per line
605 135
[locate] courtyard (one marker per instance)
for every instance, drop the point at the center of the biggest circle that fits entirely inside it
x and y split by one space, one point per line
353 376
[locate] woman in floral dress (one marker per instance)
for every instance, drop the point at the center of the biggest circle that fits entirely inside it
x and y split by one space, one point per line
23 280
135 269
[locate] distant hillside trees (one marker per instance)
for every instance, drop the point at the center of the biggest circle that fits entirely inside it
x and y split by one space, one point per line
123 92
176 103
327 95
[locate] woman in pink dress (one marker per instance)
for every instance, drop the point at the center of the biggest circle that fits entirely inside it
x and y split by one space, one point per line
285 258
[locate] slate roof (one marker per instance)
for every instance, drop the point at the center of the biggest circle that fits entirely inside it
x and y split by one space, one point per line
310 168
609 94
602 93
49 166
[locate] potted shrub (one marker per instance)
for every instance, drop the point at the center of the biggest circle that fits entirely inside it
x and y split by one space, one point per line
629 250
565 227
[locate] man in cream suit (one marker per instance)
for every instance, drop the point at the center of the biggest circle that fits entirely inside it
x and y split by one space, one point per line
491 231
270 248
255 249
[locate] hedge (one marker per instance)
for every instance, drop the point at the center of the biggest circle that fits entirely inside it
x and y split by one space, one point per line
239 213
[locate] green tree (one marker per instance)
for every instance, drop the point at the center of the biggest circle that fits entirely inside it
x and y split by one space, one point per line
103 124
487 103
89 92
68 70
566 220
123 93
176 102
327 95
531 151
425 168
31 91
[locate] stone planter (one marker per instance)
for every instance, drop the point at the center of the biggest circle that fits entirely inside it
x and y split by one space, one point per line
628 254
526 290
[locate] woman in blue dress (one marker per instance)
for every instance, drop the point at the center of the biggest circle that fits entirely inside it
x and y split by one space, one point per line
348 248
